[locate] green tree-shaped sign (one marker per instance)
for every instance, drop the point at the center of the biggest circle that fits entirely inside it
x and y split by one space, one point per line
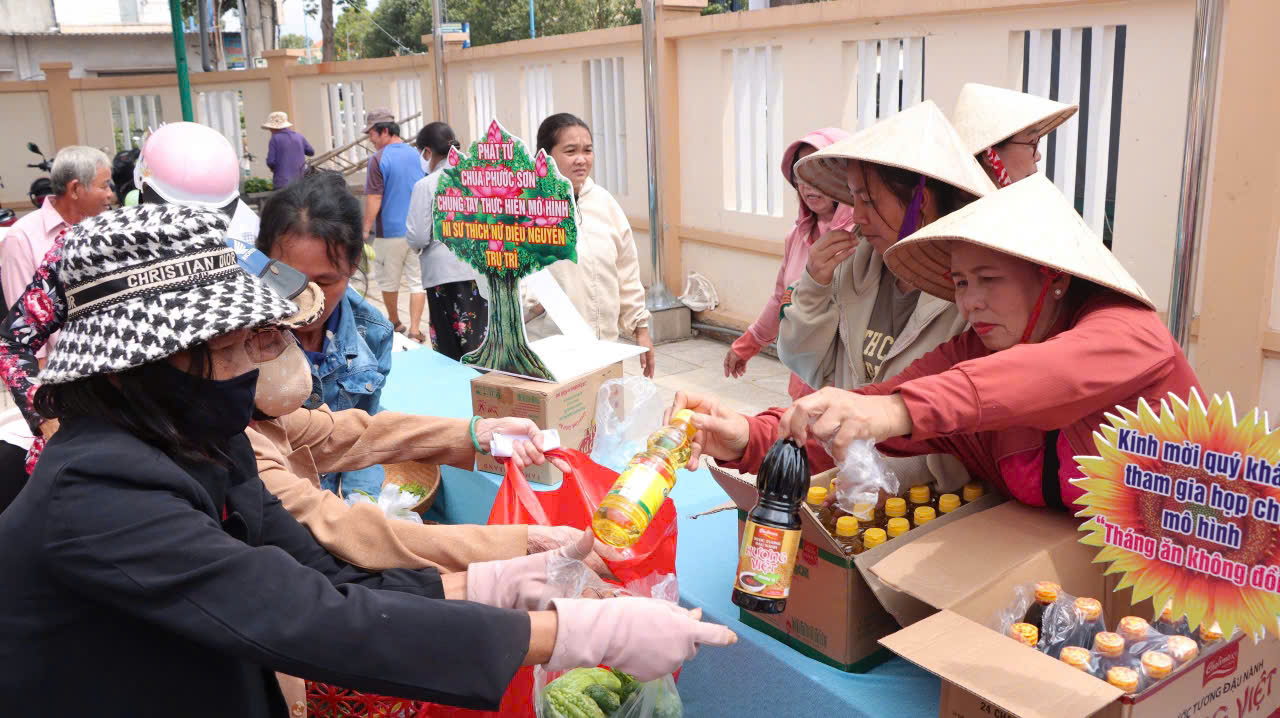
507 215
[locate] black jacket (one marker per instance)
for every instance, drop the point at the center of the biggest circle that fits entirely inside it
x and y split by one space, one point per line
126 594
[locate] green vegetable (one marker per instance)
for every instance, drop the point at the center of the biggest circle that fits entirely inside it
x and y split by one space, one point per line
579 678
415 489
549 709
578 705
608 701
554 705
668 706
629 684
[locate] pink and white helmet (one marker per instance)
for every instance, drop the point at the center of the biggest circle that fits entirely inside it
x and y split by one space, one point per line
189 164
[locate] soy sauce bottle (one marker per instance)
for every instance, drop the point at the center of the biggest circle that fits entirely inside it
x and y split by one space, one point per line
771 537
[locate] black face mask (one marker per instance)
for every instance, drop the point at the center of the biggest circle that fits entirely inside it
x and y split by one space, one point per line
213 410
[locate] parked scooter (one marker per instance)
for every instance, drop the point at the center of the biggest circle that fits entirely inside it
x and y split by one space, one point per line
42 187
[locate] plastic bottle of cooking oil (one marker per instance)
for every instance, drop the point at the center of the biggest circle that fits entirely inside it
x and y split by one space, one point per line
636 496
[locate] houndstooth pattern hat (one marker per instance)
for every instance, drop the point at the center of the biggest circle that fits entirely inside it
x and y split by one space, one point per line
143 283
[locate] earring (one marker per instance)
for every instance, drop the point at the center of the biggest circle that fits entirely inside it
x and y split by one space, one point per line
1057 293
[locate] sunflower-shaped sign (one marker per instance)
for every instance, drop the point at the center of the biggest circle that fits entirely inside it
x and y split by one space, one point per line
1186 504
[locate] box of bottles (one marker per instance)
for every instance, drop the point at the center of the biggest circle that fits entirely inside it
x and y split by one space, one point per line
568 407
968 572
833 614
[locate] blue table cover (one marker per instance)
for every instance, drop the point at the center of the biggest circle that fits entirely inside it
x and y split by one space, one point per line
756 677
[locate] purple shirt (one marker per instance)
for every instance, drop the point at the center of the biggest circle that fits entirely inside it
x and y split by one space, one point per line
287 155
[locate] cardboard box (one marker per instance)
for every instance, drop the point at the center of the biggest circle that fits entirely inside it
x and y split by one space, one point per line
833 615
567 406
968 570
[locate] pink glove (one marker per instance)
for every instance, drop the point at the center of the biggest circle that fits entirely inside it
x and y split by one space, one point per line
646 637
521 583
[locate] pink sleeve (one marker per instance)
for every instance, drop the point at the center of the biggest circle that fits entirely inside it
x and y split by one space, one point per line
1108 355
763 433
17 266
765 328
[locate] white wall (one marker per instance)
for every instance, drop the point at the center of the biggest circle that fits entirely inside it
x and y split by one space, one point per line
25 16
90 54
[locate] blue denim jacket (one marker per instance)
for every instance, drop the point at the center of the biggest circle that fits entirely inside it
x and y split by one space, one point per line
357 360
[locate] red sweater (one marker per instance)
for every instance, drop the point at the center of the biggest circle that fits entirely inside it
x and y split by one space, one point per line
991 409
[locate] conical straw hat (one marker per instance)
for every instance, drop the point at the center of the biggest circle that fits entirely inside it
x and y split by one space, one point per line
918 139
985 116
1029 219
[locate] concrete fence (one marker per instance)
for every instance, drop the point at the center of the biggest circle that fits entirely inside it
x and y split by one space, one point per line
737 88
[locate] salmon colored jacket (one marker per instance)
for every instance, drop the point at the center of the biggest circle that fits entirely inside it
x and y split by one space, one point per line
991 410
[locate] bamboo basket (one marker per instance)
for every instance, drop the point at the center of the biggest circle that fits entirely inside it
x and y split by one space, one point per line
416 474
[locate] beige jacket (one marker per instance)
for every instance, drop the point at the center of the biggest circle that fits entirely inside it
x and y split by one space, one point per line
604 285
820 339
294 450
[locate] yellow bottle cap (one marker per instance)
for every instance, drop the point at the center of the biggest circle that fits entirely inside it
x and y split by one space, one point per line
684 416
1109 644
1156 664
864 512
872 538
1211 633
817 495
895 507
919 494
1166 613
925 514
1134 628
846 526
1047 591
1089 608
1076 657
1025 633
1126 679
948 503
1183 649
973 491
897 527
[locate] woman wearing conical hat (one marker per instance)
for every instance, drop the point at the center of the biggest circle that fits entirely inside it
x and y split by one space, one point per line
1002 128
1061 334
850 321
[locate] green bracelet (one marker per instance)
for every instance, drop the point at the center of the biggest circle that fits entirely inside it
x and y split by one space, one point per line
475 440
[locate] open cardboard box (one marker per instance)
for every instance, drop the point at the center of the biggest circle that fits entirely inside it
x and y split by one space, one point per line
968 570
569 407
834 614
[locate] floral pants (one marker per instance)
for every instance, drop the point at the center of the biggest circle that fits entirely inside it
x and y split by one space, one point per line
459 318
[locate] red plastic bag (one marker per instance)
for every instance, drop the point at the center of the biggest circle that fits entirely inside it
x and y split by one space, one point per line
571 505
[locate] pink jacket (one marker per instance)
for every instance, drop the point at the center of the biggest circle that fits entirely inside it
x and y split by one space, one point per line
991 409
795 254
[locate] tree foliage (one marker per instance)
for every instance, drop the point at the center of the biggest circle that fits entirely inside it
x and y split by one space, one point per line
403 22
293 41
350 33
492 21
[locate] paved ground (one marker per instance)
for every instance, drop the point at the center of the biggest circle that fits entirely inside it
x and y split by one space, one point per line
693 365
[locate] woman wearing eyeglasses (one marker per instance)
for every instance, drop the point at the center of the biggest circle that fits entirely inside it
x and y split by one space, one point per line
1003 129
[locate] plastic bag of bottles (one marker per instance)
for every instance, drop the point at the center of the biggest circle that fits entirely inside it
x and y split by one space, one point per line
863 476
394 501
627 411
1060 619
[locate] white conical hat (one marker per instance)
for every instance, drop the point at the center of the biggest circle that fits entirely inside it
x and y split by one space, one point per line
985 116
1029 219
918 139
